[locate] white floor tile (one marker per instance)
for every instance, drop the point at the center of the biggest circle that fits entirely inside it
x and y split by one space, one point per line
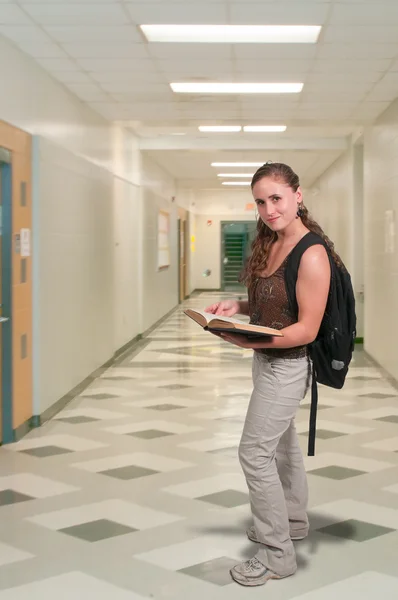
95 413
389 445
167 426
10 555
366 586
69 586
375 413
343 460
211 485
186 554
342 510
147 460
334 426
34 485
120 511
70 442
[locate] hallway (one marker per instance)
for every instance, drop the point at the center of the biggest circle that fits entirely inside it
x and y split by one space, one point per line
135 489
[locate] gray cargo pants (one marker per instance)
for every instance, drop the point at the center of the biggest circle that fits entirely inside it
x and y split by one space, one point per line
272 460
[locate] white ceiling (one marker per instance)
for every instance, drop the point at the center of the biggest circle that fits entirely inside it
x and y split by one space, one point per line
95 48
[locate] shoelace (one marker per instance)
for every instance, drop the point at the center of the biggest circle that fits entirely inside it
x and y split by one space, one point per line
253 565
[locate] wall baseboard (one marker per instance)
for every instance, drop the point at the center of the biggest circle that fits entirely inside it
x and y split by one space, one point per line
359 340
134 345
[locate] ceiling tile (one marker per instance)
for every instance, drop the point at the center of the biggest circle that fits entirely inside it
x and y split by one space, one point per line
10 14
125 76
355 50
281 13
68 77
88 92
365 34
24 33
58 64
178 13
349 65
103 64
45 50
368 14
77 14
272 52
191 51
115 50
102 34
141 88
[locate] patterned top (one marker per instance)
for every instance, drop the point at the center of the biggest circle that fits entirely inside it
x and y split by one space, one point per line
269 307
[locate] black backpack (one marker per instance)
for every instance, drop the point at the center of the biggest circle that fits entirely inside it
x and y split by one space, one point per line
331 351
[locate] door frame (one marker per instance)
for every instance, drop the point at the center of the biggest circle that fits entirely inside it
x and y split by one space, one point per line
223 225
7 429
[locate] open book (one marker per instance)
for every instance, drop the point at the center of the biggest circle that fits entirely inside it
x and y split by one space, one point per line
223 324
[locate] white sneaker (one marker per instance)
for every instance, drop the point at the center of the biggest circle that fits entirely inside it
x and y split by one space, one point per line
252 573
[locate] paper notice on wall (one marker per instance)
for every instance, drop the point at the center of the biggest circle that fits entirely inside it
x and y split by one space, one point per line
389 231
25 242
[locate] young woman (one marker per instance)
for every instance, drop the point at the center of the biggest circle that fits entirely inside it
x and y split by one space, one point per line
269 451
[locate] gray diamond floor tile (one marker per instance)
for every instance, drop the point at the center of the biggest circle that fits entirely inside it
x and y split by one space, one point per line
127 473
354 530
226 498
336 472
150 434
165 407
174 386
8 497
46 451
77 420
213 571
389 419
324 434
99 396
95 531
377 395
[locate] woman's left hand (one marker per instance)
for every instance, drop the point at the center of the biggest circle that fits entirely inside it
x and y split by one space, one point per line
239 340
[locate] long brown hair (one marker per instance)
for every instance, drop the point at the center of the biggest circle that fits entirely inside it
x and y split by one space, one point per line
265 236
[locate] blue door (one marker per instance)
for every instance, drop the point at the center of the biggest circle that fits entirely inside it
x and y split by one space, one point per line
6 414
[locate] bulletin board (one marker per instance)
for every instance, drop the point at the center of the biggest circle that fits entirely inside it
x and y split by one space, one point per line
163 240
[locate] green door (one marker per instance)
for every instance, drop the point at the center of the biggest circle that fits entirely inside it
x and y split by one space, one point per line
236 240
6 424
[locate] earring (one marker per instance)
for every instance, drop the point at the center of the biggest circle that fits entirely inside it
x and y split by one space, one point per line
300 210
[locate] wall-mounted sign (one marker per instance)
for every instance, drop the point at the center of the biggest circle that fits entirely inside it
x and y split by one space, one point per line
250 206
209 223
25 242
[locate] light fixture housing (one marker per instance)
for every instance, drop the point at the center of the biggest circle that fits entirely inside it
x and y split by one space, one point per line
235 88
236 182
237 164
220 128
264 128
237 175
232 34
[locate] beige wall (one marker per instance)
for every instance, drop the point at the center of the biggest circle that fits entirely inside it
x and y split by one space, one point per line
381 256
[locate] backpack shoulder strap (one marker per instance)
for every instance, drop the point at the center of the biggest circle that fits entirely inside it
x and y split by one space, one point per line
293 263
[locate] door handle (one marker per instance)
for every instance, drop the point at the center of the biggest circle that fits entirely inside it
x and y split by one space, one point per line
4 319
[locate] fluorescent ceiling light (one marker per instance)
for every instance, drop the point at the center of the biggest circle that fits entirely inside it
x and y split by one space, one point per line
220 128
235 174
264 128
236 182
236 88
237 164
233 34
178 133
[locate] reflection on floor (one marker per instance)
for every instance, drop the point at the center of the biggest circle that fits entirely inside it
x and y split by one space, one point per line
135 491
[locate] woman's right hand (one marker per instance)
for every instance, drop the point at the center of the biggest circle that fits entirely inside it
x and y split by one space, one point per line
226 308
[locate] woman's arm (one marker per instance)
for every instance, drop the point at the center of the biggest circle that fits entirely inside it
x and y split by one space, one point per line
243 307
312 291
